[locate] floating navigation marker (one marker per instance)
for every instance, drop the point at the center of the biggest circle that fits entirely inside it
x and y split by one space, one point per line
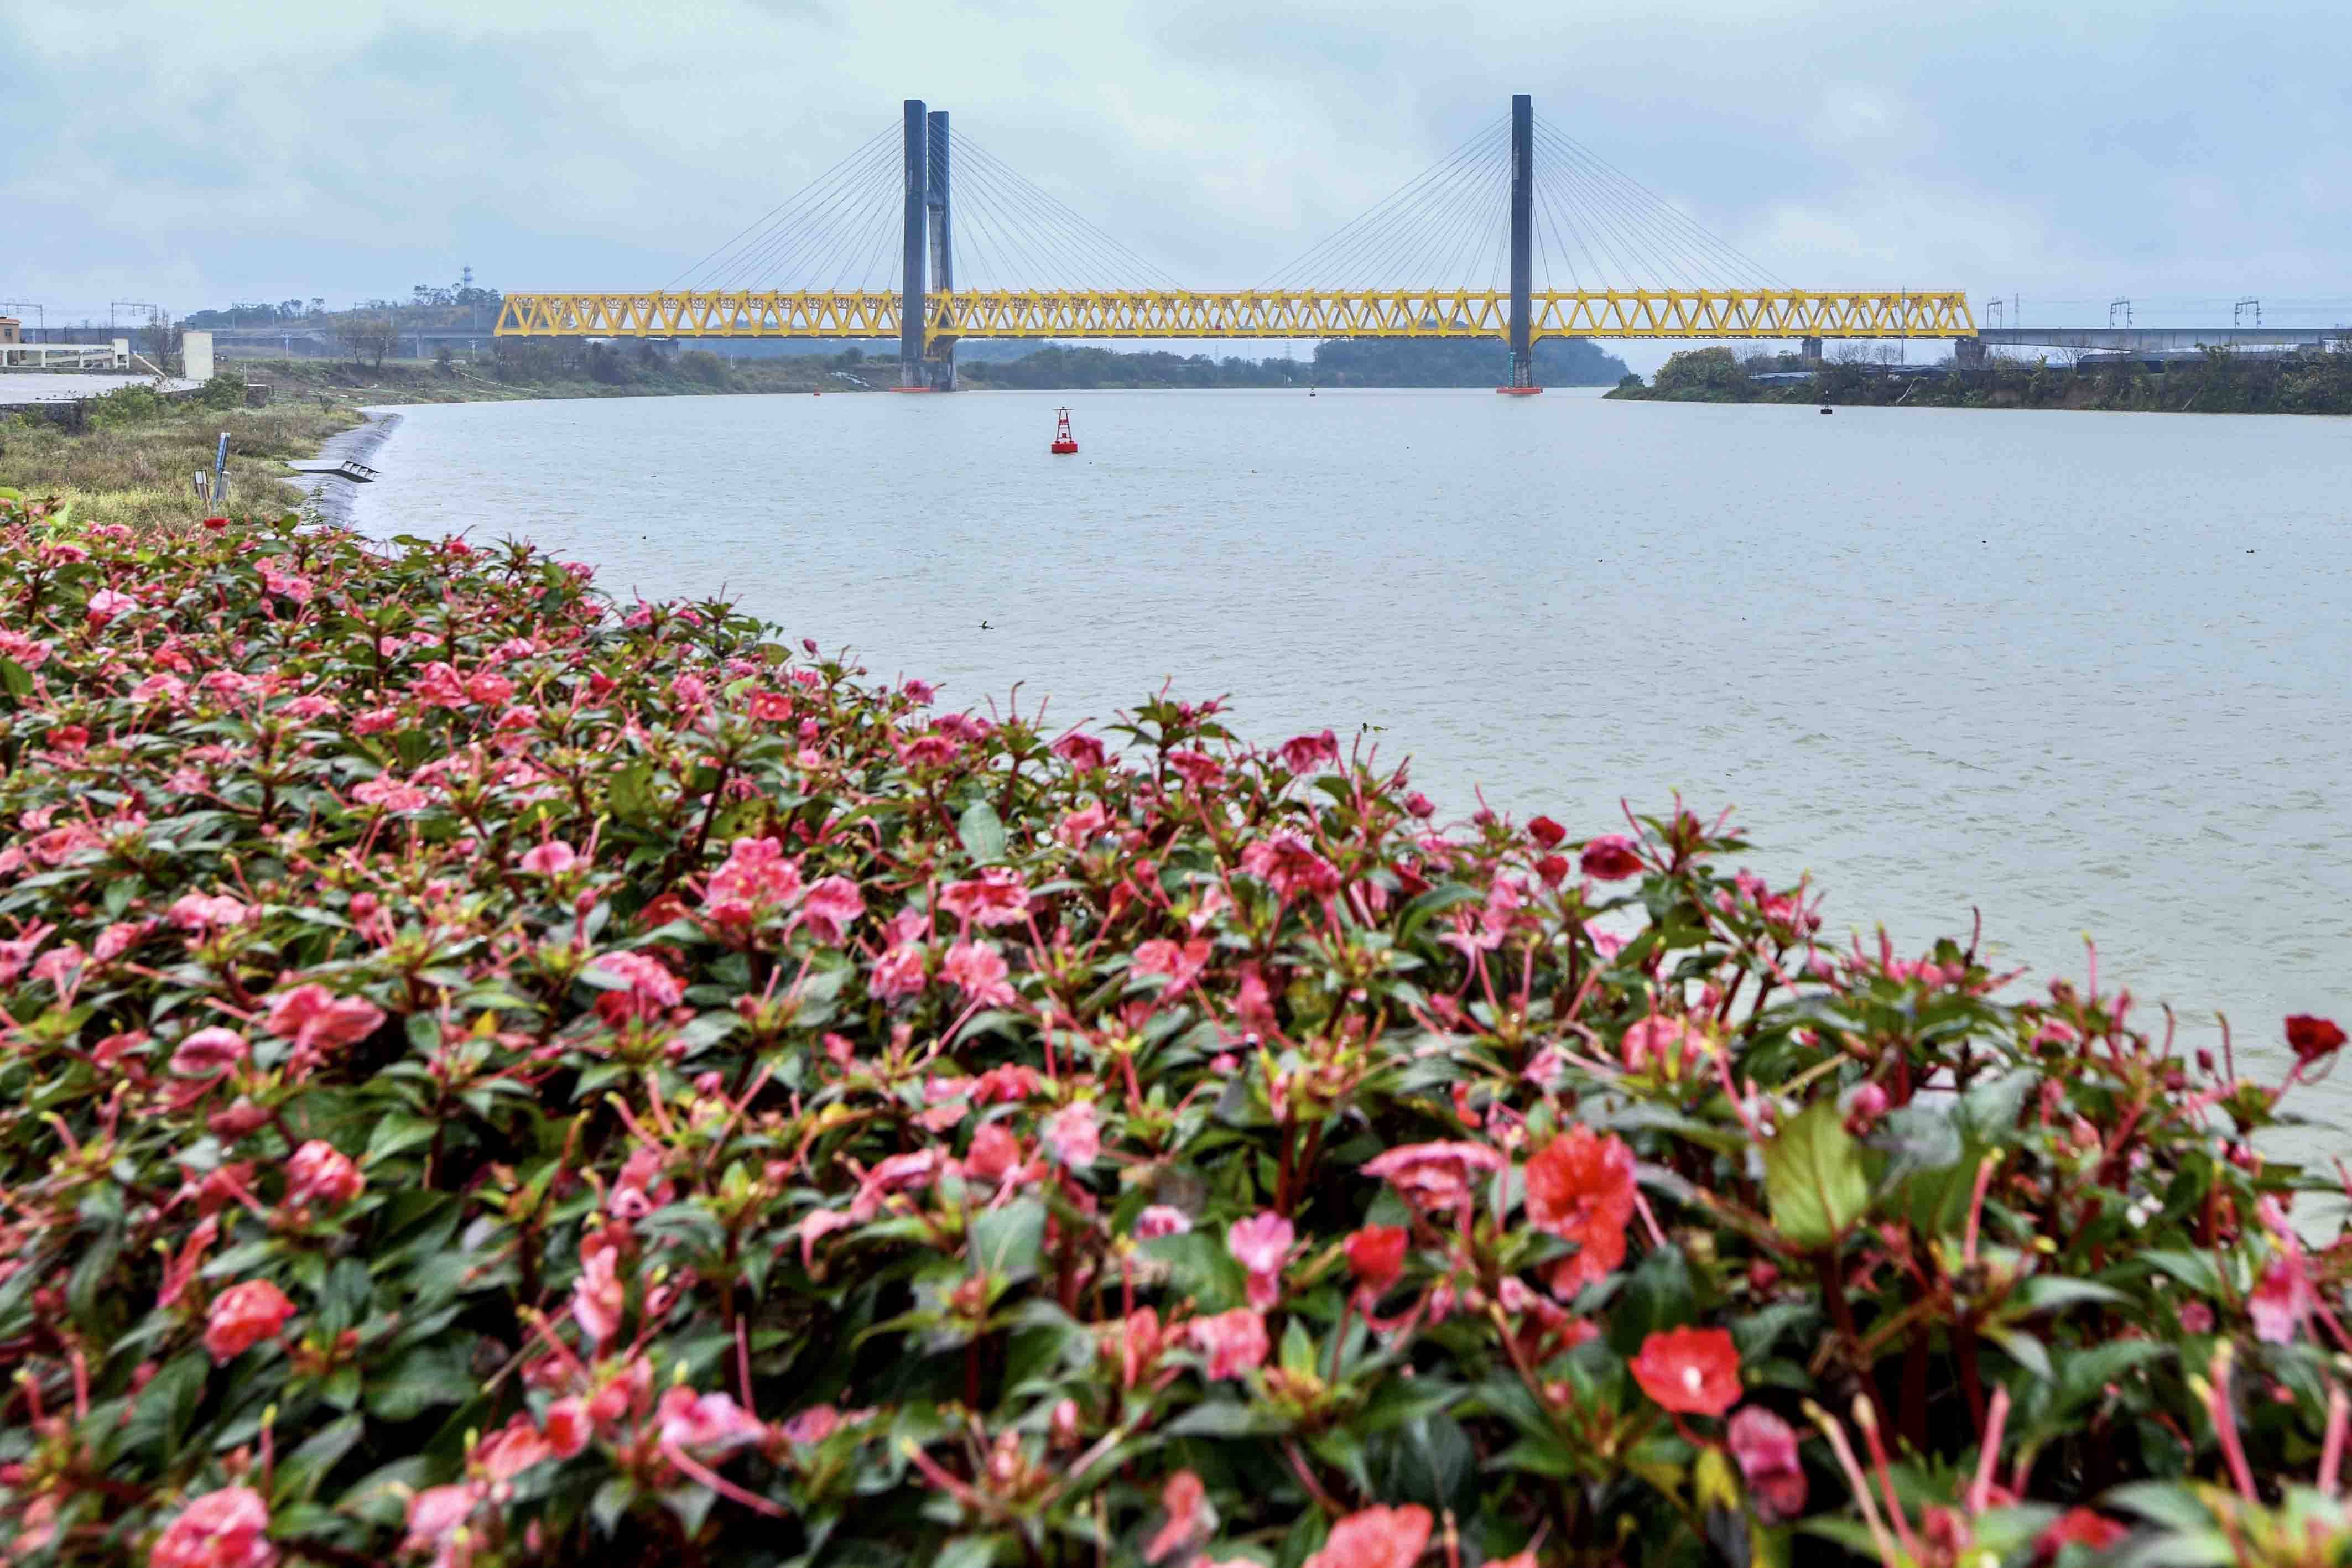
1063 442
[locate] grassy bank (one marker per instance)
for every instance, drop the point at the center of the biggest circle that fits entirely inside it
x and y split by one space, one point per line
133 462
341 382
2218 383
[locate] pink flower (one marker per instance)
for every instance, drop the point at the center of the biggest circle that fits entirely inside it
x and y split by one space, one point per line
1074 1135
1181 964
1083 752
1668 1044
209 1050
286 585
1376 1538
812 1426
1235 1342
552 858
314 1016
920 693
1160 1219
2195 1317
756 880
22 650
996 1153
710 1422
320 1170
833 905
597 1296
106 604
1083 826
997 896
434 1514
1185 1500
243 1316
1259 1244
648 988
439 686
1305 753
1766 1447
224 1529
1437 1177
1200 769
978 970
207 912
512 1449
899 972
1288 863
2282 1301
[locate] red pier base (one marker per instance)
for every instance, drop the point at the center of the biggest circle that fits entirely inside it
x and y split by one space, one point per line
1519 391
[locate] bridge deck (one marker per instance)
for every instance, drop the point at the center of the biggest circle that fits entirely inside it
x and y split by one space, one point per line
1250 313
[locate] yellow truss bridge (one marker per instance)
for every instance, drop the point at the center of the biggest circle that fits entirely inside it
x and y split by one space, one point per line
1598 224
1248 313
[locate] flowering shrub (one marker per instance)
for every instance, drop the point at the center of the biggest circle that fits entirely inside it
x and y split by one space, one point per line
493 1077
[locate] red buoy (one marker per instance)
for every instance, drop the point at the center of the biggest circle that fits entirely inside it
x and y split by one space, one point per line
1063 442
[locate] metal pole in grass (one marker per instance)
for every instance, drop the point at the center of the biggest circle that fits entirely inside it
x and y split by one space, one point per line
220 470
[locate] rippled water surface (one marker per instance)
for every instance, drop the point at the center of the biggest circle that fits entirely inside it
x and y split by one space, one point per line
2087 672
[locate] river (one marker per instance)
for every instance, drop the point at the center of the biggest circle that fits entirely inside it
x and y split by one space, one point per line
2086 672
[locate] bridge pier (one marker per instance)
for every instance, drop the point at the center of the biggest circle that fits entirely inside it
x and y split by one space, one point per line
1809 350
1523 272
1967 352
912 303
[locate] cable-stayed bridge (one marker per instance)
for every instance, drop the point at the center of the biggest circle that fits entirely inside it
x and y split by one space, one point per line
1478 245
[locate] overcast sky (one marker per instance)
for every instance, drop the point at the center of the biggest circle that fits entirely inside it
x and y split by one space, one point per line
190 155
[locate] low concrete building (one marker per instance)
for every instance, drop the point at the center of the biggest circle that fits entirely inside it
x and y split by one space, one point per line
11 329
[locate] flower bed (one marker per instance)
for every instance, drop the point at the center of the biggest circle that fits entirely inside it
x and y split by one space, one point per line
490 1078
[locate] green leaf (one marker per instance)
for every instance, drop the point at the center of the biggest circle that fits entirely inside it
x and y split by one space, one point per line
1917 1138
969 1550
1223 1418
1814 1178
982 833
306 1467
1659 1294
1009 1240
15 679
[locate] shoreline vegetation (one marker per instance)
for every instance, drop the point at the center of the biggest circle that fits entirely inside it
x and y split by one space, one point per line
533 368
489 1074
2219 380
135 459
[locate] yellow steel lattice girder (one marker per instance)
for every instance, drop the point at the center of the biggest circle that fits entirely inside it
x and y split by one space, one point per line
1252 313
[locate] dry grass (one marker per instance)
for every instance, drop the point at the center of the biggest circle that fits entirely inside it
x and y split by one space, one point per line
140 474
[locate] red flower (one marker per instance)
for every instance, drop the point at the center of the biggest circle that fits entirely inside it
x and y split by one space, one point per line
1581 1189
1692 1372
1376 1254
1553 869
1612 857
2078 1526
243 1316
1547 833
2312 1038
320 1170
1375 1538
223 1528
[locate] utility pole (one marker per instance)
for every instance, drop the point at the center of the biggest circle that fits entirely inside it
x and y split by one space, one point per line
2122 307
2238 311
40 315
1523 202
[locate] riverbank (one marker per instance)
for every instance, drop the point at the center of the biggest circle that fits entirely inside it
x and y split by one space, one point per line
2218 383
136 458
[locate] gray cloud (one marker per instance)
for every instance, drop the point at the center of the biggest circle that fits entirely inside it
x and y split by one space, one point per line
2177 154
